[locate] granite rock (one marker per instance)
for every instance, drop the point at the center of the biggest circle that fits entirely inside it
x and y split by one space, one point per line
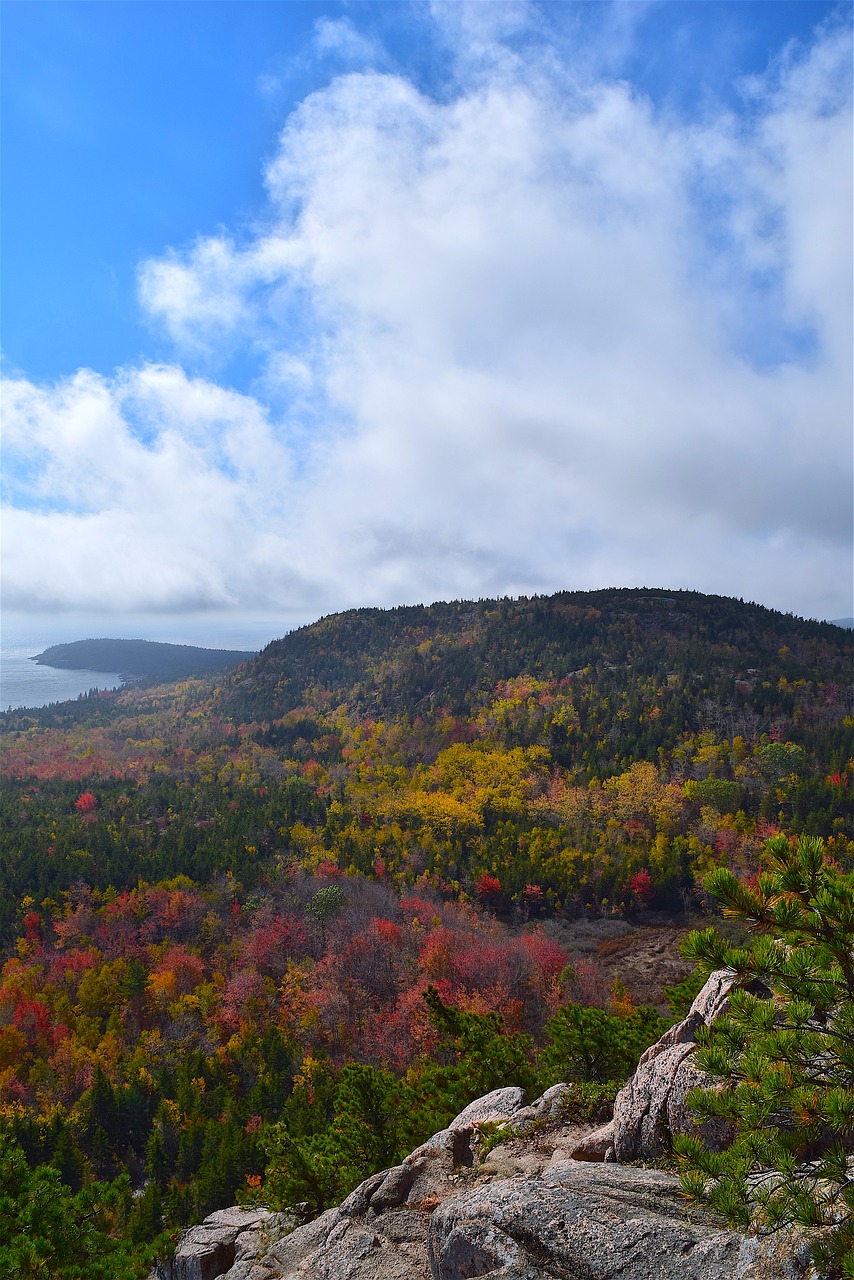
583 1222
211 1249
652 1107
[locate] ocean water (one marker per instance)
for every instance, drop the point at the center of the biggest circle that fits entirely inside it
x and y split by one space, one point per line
27 684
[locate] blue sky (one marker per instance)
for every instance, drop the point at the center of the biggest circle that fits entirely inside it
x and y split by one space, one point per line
423 301
131 126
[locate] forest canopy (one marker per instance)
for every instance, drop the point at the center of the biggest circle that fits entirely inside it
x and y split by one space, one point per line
227 896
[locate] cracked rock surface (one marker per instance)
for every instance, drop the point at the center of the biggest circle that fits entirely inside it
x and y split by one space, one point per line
590 1222
548 1202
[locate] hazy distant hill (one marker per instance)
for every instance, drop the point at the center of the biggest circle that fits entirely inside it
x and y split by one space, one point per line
141 659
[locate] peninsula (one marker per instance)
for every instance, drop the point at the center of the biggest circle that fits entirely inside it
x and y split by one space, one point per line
141 659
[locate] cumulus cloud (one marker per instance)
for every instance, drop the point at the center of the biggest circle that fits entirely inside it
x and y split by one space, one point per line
148 493
533 335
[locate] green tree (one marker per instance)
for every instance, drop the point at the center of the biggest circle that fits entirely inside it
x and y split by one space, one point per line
370 1130
788 1061
304 1174
133 985
590 1044
325 904
473 1056
46 1230
371 1118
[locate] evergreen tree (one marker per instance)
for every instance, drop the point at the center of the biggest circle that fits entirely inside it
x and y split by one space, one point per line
48 1230
473 1056
589 1044
787 1061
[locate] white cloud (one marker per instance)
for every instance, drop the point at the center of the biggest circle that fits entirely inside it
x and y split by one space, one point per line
535 336
335 43
339 38
149 494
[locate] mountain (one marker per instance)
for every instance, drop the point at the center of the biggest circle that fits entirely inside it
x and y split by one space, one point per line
389 852
640 667
140 659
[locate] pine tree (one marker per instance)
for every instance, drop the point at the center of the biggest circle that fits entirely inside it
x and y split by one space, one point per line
48 1230
787 1062
589 1044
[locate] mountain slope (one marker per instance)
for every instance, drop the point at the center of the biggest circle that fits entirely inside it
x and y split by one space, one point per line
640 669
411 658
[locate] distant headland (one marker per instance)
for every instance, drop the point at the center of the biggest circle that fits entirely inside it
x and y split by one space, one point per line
141 659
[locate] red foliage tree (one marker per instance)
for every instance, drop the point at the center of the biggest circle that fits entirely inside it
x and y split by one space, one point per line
642 888
549 956
188 968
328 870
418 908
32 926
274 941
388 932
244 1002
489 893
32 1017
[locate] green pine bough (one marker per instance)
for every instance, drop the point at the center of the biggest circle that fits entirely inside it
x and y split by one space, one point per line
49 1232
784 1051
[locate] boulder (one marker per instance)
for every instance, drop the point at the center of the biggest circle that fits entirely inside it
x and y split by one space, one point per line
430 1219
501 1104
781 1256
386 1245
210 1250
597 1145
550 1105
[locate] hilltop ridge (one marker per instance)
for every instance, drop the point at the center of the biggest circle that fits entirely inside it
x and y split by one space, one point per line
415 658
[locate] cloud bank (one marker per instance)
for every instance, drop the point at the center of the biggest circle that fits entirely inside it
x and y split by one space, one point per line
536 334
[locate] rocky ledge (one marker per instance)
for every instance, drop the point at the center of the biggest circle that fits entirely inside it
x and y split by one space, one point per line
550 1201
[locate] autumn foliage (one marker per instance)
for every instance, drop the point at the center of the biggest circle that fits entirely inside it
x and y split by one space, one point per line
220 898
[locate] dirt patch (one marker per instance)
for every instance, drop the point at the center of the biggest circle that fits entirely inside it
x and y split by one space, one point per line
647 960
645 957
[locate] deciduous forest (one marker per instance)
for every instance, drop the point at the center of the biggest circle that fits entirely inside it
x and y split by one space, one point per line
265 931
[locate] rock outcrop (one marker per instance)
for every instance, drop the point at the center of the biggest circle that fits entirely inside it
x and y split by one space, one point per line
578 1220
651 1108
551 1201
223 1240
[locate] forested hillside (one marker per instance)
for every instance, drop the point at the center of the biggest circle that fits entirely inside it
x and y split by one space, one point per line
224 896
409 660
